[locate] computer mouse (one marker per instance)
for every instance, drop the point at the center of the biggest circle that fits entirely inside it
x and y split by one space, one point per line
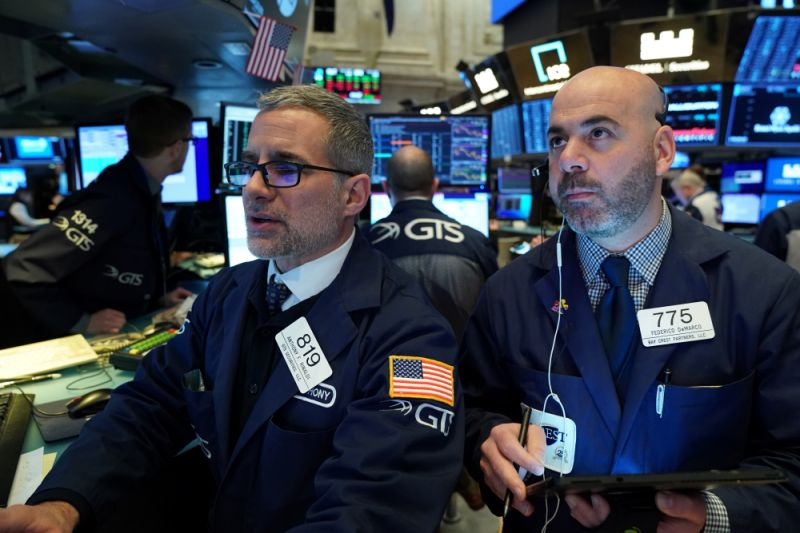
88 404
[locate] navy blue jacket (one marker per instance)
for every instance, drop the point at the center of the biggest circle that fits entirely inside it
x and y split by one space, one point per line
343 457
730 399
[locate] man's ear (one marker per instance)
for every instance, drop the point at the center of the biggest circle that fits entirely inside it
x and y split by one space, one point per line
664 148
357 188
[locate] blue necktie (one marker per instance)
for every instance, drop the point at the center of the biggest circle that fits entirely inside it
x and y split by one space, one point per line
616 314
277 293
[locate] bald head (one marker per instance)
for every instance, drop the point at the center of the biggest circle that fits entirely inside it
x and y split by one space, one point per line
410 173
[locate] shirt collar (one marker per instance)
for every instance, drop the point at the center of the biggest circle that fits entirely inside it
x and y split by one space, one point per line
311 278
645 256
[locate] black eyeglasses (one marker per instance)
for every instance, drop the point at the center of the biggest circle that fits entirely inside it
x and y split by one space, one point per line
662 116
278 174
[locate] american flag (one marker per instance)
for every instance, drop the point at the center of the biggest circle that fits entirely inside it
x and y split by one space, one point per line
269 49
420 377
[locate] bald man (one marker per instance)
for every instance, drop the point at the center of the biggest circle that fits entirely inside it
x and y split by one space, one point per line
701 378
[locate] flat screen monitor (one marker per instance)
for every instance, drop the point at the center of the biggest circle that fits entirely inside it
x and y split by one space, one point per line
236 250
11 179
741 208
772 201
514 179
694 113
492 82
743 177
355 85
33 148
772 53
513 206
236 121
783 174
458 145
764 115
102 145
506 132
681 160
535 118
469 209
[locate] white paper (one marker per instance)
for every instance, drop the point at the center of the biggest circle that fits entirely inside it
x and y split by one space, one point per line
29 475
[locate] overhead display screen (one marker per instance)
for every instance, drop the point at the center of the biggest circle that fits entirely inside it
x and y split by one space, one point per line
356 85
764 115
694 113
541 67
506 132
772 53
535 118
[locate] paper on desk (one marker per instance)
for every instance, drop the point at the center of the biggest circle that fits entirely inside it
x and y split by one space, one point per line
28 476
45 356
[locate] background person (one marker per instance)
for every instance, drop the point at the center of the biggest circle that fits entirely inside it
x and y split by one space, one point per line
698 199
779 234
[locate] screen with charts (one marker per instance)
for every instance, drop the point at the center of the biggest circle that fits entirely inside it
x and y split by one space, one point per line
772 53
764 115
514 179
458 145
783 174
355 85
469 209
741 208
236 121
513 206
772 201
694 113
744 176
11 179
506 132
236 250
535 119
99 146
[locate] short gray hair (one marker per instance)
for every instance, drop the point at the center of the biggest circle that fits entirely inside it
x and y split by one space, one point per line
349 142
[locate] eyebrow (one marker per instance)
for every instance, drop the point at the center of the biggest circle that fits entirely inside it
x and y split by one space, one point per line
589 122
248 155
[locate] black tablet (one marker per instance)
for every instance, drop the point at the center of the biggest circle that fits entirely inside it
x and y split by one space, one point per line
677 481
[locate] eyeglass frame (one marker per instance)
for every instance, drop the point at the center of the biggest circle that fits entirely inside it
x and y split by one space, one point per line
262 167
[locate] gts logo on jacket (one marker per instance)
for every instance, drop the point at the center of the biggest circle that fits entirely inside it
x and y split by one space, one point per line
126 278
420 229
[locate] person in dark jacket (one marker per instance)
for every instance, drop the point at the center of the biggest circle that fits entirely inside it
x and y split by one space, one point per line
779 234
103 258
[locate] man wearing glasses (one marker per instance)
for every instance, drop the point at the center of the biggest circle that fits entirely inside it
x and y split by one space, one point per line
104 255
318 382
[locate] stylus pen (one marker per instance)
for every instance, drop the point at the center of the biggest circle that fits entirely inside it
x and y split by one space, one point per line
522 438
28 379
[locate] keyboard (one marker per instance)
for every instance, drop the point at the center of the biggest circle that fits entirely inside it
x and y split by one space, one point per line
15 414
129 357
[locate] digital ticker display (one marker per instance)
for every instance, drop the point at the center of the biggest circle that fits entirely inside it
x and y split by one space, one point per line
694 113
458 145
772 53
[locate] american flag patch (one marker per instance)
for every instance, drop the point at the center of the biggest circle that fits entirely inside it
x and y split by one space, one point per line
420 377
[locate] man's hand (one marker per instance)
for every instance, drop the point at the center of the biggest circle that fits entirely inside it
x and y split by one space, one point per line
105 321
47 517
588 512
502 448
175 297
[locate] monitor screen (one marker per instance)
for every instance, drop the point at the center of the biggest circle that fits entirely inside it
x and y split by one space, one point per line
741 208
469 209
11 179
772 53
506 132
236 231
747 176
492 85
236 121
783 174
681 160
764 115
458 145
513 206
694 113
535 118
772 201
514 179
33 148
104 145
356 85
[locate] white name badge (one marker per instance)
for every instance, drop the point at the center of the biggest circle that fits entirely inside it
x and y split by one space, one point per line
307 364
675 323
560 435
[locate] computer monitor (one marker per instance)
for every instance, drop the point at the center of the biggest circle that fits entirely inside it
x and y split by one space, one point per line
694 113
458 145
356 85
681 160
764 115
102 145
469 209
11 179
783 174
236 121
772 201
535 118
514 179
506 132
743 177
772 53
33 148
513 206
236 250
741 208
